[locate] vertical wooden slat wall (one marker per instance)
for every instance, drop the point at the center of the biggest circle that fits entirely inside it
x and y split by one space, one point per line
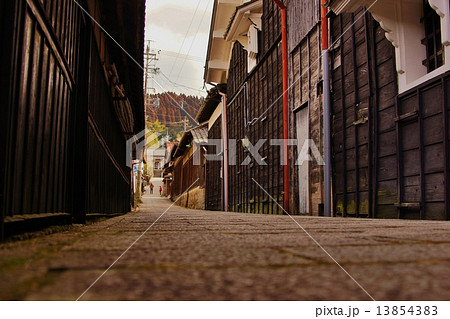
39 100
213 191
255 95
9 36
384 143
390 151
109 177
188 175
351 138
306 94
64 146
423 131
356 102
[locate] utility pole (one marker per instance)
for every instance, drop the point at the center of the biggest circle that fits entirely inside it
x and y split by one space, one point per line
150 57
184 118
147 64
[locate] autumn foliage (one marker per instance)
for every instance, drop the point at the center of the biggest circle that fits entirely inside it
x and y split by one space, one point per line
169 108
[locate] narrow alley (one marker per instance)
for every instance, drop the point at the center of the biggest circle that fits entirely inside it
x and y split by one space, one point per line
205 255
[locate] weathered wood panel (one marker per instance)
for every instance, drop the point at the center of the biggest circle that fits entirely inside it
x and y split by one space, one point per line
213 171
108 179
64 147
351 108
6 34
390 152
364 137
271 26
41 84
238 68
188 175
254 113
302 17
306 81
423 151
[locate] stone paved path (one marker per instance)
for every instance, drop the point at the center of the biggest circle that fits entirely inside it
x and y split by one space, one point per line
201 255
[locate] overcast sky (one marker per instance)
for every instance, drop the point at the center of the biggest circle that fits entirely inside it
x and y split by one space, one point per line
180 29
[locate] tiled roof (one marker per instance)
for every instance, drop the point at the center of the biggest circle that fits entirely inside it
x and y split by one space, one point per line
200 134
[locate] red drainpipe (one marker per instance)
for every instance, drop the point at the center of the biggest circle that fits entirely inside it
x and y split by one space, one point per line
324 24
285 101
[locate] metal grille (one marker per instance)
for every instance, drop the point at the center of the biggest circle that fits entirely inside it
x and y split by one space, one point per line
432 40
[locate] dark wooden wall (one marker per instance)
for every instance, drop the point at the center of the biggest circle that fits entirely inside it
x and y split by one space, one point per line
213 190
384 143
390 151
44 60
422 136
363 82
271 26
64 147
305 82
302 17
256 95
177 185
238 68
108 179
352 94
186 173
305 73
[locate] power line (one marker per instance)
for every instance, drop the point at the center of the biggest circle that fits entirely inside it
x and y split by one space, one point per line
128 54
178 84
185 56
193 40
185 36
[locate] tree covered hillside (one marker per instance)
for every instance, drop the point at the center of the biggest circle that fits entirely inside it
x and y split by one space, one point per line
164 113
166 107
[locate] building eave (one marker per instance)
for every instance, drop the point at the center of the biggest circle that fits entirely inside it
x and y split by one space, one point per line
219 50
241 20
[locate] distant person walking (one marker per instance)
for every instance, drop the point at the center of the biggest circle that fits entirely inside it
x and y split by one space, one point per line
160 190
151 188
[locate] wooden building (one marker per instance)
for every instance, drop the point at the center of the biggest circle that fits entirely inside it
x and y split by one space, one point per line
389 105
245 52
187 183
211 112
71 99
306 102
391 82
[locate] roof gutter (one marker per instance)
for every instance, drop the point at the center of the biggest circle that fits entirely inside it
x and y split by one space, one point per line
211 30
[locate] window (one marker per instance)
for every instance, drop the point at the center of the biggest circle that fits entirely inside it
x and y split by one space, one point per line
244 27
252 47
432 40
419 30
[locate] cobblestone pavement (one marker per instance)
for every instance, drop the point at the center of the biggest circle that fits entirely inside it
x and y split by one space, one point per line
202 255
